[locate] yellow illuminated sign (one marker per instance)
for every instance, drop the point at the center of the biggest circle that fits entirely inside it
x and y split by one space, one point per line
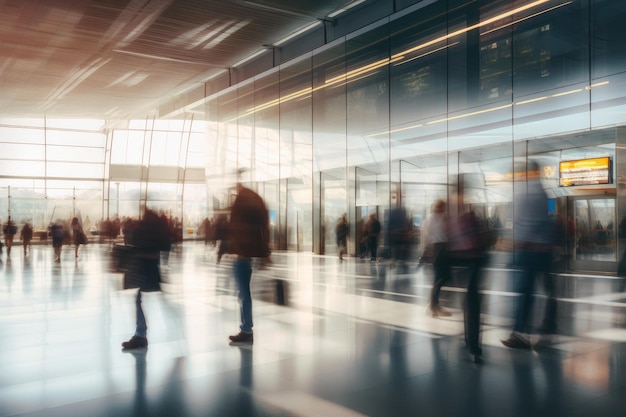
585 172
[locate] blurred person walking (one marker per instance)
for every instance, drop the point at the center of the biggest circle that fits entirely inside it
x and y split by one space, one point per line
26 235
435 231
149 238
248 237
57 230
9 230
78 235
399 237
467 246
372 232
342 229
534 245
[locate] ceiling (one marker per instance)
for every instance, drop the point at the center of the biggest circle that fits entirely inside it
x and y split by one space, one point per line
119 59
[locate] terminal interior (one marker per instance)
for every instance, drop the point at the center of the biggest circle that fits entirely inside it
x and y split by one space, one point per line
325 108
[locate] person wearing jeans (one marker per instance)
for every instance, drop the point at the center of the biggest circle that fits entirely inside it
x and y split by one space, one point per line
534 243
248 237
242 270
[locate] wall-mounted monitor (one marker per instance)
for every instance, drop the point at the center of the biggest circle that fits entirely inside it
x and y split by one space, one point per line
589 171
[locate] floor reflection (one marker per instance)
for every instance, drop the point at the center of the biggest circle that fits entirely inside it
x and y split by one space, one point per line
353 340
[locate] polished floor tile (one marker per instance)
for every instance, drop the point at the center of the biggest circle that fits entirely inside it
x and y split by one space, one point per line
353 340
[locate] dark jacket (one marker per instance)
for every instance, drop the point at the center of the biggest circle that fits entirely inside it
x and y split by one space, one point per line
248 231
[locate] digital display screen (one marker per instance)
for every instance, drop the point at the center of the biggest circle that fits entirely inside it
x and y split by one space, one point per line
585 172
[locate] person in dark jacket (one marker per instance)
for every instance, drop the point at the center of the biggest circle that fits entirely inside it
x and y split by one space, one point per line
26 235
248 237
341 235
9 230
149 238
372 231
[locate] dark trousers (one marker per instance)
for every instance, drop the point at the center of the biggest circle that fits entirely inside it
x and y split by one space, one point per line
372 245
441 269
533 264
472 303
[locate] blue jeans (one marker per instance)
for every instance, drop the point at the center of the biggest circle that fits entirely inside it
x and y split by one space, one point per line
142 327
242 269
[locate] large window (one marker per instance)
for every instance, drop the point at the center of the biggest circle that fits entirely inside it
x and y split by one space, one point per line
54 169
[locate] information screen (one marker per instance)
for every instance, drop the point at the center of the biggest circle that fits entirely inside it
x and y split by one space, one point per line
585 171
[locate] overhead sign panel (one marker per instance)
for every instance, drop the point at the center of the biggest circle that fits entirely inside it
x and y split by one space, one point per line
585 172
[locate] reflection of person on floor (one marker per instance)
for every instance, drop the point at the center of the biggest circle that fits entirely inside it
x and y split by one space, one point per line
534 245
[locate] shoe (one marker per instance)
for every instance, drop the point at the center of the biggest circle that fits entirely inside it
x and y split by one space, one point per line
135 342
242 338
442 312
516 342
439 312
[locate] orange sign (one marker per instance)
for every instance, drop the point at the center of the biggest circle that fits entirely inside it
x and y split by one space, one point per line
585 171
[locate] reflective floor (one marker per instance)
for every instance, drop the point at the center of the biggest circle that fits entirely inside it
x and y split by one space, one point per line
353 340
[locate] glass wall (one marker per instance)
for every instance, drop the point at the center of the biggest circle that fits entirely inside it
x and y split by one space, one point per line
56 169
437 98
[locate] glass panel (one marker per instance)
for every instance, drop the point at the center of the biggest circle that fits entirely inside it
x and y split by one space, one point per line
551 49
83 124
552 112
607 100
75 153
329 109
595 230
165 148
23 122
267 151
334 205
22 169
197 152
245 153
296 160
22 135
608 37
127 147
480 60
22 151
74 170
367 116
74 138
418 77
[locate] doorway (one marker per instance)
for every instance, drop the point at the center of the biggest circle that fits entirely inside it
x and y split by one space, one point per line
591 233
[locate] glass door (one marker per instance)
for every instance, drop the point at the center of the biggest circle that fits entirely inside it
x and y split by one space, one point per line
593 233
